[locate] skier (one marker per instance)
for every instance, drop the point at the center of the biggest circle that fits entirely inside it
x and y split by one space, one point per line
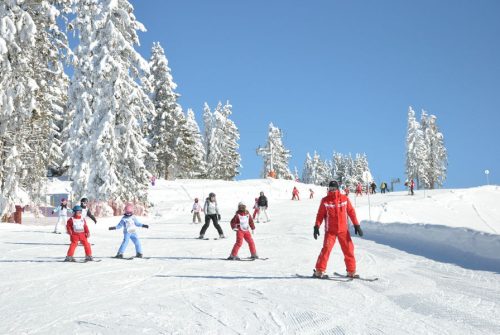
196 211
241 223
359 190
78 232
334 209
262 203
383 187
412 186
129 223
62 209
211 213
255 208
346 190
85 211
311 193
295 193
373 187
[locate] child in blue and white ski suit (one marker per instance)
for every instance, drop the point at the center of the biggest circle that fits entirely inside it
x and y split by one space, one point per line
129 223
63 211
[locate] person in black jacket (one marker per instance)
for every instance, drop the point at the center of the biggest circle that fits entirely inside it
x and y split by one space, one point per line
262 203
85 211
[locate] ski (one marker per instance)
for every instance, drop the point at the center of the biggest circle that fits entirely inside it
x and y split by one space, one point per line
258 259
357 277
343 280
124 258
239 260
81 261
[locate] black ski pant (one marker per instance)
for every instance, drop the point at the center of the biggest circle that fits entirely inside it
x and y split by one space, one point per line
207 223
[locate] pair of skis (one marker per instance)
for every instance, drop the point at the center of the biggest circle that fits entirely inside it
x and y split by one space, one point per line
249 259
340 277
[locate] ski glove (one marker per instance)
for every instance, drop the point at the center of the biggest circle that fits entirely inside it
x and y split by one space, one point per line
218 216
112 228
145 226
358 231
316 232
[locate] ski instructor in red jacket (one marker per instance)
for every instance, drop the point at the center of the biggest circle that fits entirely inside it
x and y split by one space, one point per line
334 209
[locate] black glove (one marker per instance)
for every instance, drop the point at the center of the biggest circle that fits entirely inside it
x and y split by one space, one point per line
316 232
145 226
357 230
218 217
112 228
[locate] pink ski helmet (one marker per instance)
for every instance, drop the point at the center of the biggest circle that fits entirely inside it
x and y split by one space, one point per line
129 209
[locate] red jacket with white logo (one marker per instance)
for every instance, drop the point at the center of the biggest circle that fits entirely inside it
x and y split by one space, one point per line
78 226
242 220
334 209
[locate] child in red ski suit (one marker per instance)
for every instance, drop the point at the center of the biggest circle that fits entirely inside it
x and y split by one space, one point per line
78 232
241 223
295 194
334 209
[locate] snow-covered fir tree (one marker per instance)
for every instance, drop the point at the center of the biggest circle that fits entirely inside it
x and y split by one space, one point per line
307 170
193 161
426 157
275 155
165 127
222 135
107 147
32 90
316 171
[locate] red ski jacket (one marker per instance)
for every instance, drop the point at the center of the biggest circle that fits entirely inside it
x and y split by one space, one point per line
235 222
78 226
334 209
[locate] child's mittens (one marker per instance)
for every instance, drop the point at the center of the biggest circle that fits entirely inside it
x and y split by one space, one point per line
145 226
235 228
253 231
112 228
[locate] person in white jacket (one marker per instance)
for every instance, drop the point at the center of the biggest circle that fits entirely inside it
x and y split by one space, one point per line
196 211
62 209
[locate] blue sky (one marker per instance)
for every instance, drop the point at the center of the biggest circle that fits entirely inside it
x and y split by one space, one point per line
340 75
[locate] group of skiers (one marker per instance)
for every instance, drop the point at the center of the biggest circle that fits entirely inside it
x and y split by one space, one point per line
76 227
333 210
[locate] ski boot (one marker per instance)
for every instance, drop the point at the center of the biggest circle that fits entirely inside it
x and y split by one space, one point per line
233 258
319 274
222 236
69 259
255 256
89 258
138 255
201 237
352 274
119 255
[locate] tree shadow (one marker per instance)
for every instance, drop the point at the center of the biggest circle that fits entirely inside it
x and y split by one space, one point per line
228 277
35 243
466 248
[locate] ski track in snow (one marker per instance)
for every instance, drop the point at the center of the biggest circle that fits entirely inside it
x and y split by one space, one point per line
184 287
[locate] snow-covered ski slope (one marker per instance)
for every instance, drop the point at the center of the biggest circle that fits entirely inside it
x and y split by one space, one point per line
437 257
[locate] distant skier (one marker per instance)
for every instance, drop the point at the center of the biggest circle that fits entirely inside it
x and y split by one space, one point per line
346 190
211 213
243 225
129 223
383 187
373 187
334 209
412 186
359 190
255 208
311 193
78 232
85 211
295 194
63 210
262 203
153 180
196 211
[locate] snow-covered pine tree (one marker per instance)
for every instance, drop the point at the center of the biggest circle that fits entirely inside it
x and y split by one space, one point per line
18 93
307 170
221 134
109 105
296 174
43 143
415 148
165 128
276 156
436 154
208 126
194 166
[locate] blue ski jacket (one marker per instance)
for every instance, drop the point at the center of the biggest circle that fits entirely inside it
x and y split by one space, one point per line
129 224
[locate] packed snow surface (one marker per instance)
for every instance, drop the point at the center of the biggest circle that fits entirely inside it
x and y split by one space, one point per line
437 257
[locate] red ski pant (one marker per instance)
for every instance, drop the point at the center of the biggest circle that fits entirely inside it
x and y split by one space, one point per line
240 235
75 238
255 212
347 248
